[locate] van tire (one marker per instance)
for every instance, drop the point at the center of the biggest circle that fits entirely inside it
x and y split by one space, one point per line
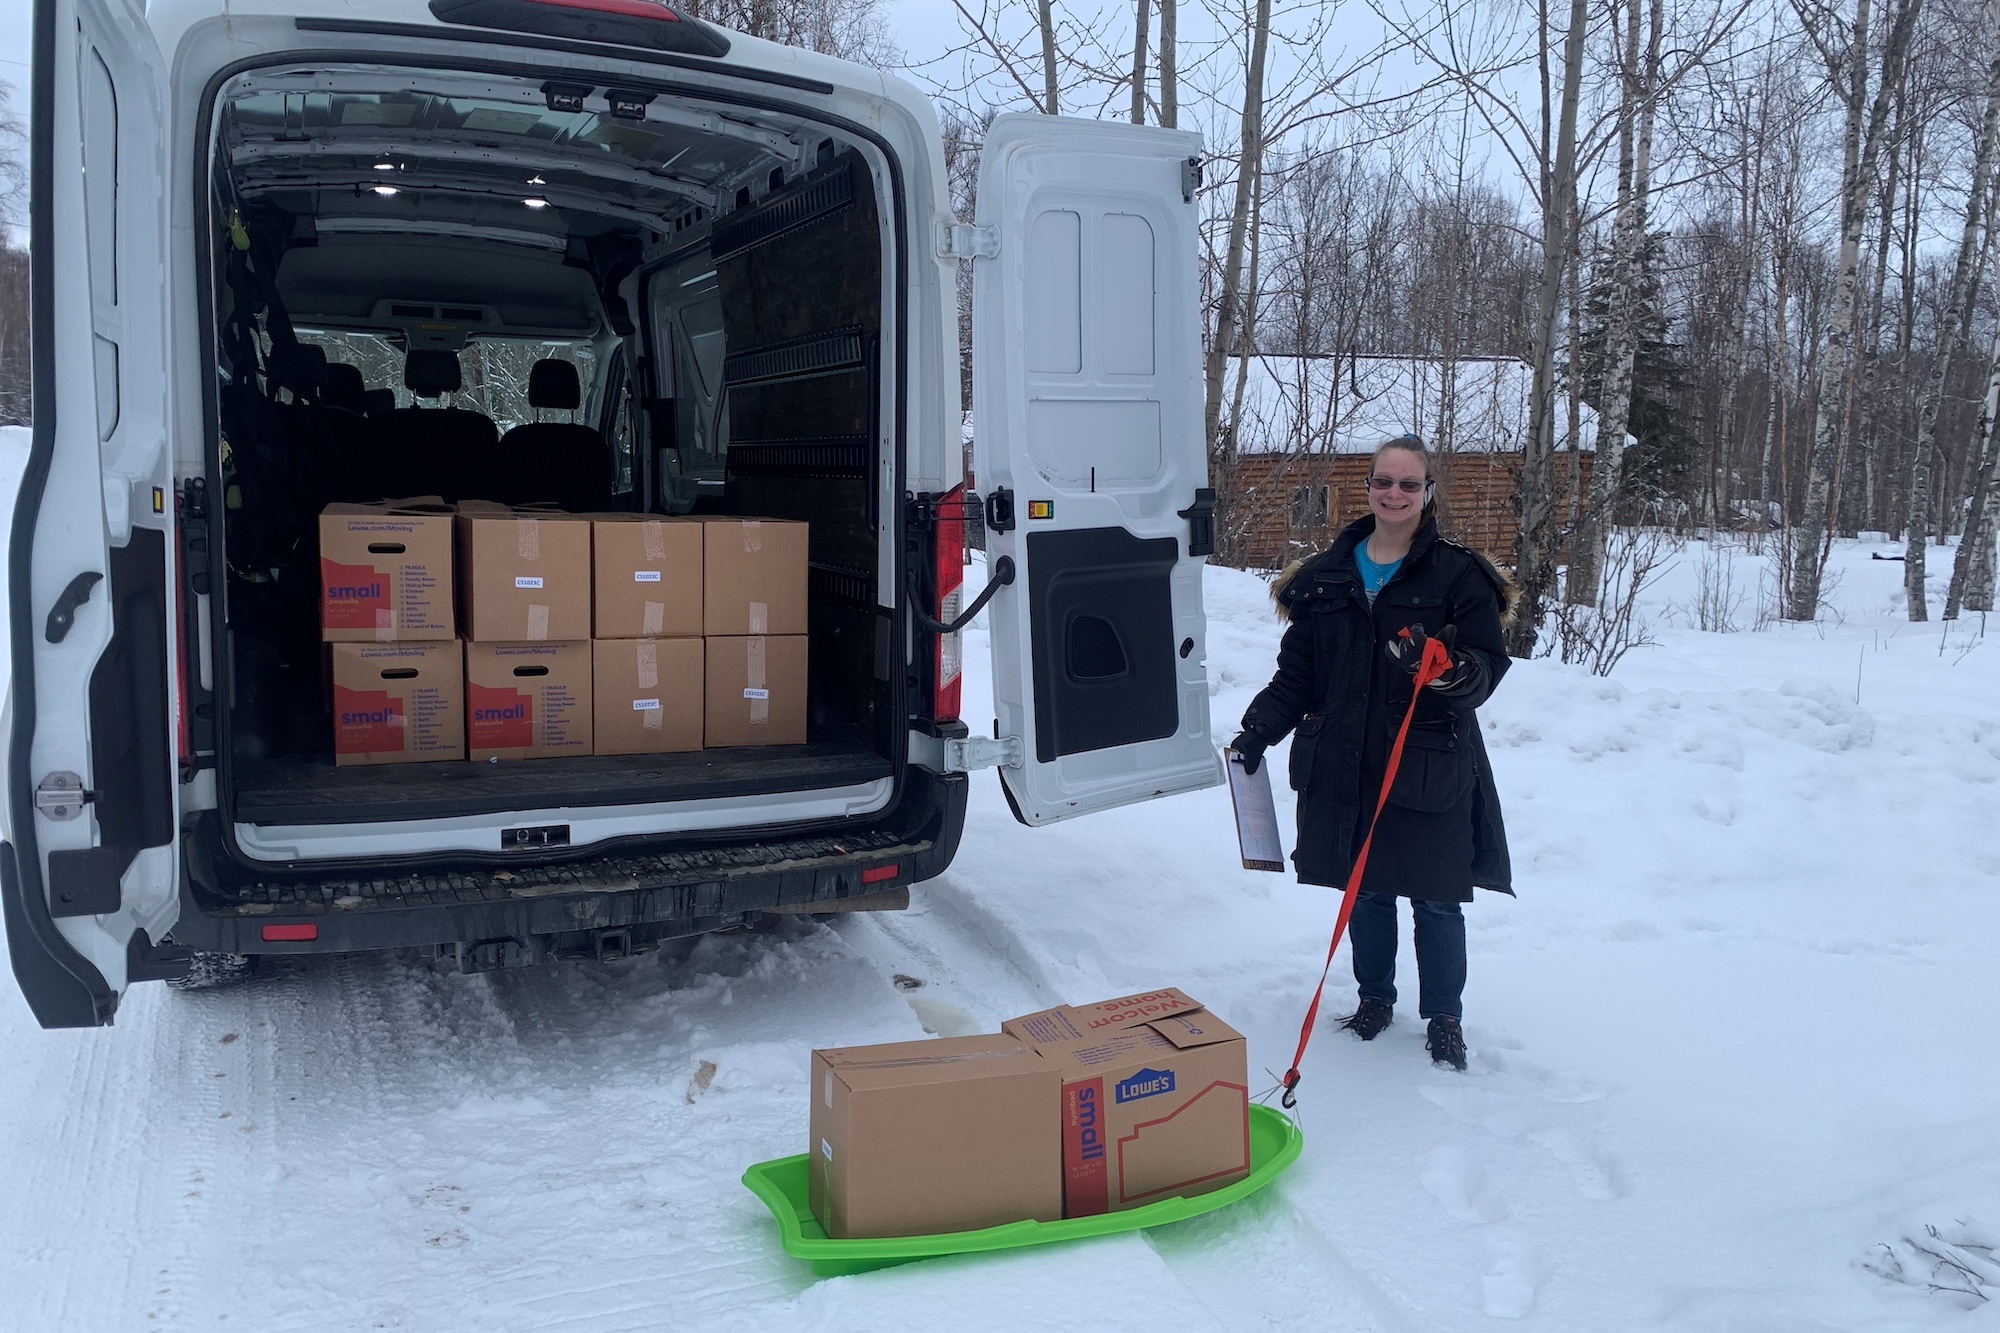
215 971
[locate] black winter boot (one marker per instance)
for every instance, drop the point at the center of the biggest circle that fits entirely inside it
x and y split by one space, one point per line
1446 1042
1368 1021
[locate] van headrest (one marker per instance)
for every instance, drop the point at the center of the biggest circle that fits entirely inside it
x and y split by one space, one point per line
301 368
553 383
345 388
378 402
429 372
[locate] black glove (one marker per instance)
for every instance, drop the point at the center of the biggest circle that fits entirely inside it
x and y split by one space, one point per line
1252 748
1461 677
1407 650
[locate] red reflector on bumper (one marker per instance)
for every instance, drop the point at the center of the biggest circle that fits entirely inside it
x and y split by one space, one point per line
287 934
877 874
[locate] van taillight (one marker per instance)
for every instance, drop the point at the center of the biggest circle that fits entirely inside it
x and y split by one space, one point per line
948 555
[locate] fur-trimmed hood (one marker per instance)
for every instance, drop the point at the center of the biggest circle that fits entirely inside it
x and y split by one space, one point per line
1342 549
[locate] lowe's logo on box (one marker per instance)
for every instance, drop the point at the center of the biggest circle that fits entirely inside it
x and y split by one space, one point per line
1145 1083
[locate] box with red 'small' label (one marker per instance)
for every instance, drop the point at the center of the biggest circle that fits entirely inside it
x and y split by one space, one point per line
527 700
385 572
1154 1104
398 703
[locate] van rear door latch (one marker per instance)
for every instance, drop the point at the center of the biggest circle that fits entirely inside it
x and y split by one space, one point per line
61 796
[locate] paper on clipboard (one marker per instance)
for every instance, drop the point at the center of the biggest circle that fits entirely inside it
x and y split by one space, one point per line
1256 815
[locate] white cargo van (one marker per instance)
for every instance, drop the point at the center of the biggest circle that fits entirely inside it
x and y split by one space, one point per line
287 252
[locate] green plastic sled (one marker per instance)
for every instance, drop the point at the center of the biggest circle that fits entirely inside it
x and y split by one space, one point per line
1274 1145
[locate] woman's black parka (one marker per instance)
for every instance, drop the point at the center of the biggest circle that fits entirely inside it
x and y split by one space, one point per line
1441 832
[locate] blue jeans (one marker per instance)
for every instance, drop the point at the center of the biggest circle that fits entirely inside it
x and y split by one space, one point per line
1440 931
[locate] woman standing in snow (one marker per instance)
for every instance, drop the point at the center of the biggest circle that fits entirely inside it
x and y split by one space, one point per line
1344 679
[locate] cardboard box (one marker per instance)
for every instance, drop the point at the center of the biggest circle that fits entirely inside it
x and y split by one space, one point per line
919 1137
527 700
648 695
1072 1022
524 577
753 576
756 691
398 703
648 577
1152 1110
385 572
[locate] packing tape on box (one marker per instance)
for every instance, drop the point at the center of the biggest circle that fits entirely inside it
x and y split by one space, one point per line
385 625
753 536
538 622
656 540
528 538
760 617
651 709
656 619
649 665
755 685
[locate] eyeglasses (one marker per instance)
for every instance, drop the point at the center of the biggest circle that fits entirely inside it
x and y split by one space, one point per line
1407 485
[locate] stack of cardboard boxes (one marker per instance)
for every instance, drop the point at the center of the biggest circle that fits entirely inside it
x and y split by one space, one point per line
610 634
1069 1112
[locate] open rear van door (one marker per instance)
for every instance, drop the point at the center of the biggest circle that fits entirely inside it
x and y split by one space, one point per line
89 873
1088 441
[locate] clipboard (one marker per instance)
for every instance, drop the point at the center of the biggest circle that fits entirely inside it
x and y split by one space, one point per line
1256 815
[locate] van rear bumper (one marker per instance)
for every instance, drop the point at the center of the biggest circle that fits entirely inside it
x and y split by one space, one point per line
668 891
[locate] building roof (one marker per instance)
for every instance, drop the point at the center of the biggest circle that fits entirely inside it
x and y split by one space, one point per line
1351 403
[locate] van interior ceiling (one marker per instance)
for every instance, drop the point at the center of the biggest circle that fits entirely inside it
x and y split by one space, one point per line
476 287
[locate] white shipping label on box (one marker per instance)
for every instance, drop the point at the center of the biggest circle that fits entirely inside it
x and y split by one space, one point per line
645 576
527 580
645 705
756 694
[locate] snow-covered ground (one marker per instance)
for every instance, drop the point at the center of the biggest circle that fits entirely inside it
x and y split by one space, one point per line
1732 1044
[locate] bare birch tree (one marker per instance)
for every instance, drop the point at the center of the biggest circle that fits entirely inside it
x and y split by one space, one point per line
1964 279
1229 313
1851 73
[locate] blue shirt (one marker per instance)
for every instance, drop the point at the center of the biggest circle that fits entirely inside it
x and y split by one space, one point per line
1373 576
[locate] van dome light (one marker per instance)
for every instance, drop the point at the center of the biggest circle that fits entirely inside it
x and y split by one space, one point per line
536 203
385 190
385 166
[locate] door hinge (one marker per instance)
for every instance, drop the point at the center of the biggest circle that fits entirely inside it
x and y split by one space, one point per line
1201 522
964 754
965 240
1190 179
61 796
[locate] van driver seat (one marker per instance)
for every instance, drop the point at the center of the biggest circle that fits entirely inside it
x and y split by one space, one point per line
445 451
561 462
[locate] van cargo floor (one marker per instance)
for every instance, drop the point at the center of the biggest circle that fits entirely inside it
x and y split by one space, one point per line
291 791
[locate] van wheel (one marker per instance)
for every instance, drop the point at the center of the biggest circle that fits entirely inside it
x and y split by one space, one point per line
213 971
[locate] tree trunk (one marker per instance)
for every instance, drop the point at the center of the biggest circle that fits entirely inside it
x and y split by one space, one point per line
1963 279
1144 21
1860 145
1051 101
1228 315
1621 332
1871 354
1534 555
1972 571
1170 72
